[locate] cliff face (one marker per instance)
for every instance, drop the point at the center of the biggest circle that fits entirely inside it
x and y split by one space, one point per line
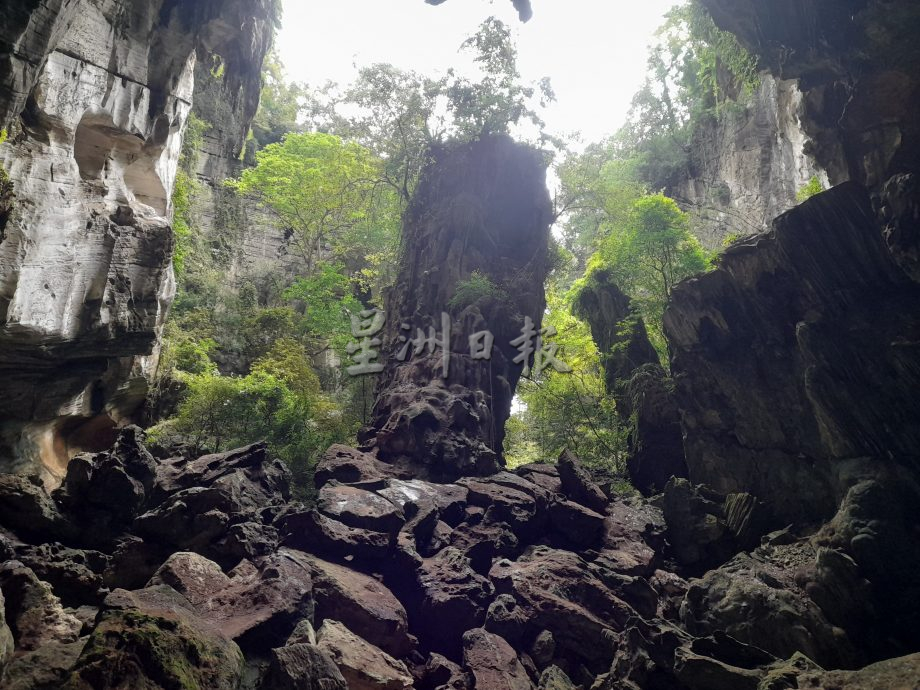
797 359
96 94
748 164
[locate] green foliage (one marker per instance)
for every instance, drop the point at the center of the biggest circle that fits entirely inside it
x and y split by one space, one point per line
696 72
3 136
328 300
567 410
649 255
478 286
499 101
279 401
184 191
279 106
317 184
813 188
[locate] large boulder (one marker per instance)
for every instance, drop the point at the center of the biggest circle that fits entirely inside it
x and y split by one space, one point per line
364 666
152 639
303 667
361 603
493 663
256 607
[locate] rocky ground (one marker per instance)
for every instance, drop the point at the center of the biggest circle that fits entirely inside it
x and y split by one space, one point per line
201 573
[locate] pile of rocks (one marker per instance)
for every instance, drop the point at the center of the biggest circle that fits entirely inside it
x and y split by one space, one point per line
201 572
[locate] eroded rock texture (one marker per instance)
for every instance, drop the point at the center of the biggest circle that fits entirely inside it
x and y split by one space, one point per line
481 208
746 167
634 376
797 362
95 94
207 574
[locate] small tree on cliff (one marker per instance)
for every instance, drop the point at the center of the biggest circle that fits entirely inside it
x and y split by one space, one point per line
650 255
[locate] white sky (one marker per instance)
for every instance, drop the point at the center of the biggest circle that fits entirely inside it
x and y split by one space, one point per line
594 51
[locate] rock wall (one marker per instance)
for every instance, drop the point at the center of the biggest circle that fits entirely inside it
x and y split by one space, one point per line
95 94
747 165
797 359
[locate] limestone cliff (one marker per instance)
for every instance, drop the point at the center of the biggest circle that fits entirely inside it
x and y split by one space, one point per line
95 94
747 164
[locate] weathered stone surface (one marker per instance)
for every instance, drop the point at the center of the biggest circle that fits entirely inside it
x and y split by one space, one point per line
493 663
459 222
315 532
893 674
443 674
554 678
558 594
834 333
348 466
45 667
100 92
33 613
454 599
633 374
364 666
759 603
27 508
578 485
362 604
152 639
75 575
577 525
256 607
303 667
359 508
6 636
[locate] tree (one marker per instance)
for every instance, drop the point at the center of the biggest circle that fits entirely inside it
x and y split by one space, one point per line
318 185
650 255
498 101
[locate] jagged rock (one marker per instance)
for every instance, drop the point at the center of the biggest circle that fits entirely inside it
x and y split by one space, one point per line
247 476
633 374
576 524
75 575
314 532
493 663
506 504
543 475
759 604
833 331
543 649
449 499
43 668
364 666
554 678
256 607
303 667
34 615
702 673
455 427
304 633
506 619
696 524
359 508
482 542
894 674
628 532
443 674
152 639
192 519
26 508
558 593
362 604
348 466
453 599
578 485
